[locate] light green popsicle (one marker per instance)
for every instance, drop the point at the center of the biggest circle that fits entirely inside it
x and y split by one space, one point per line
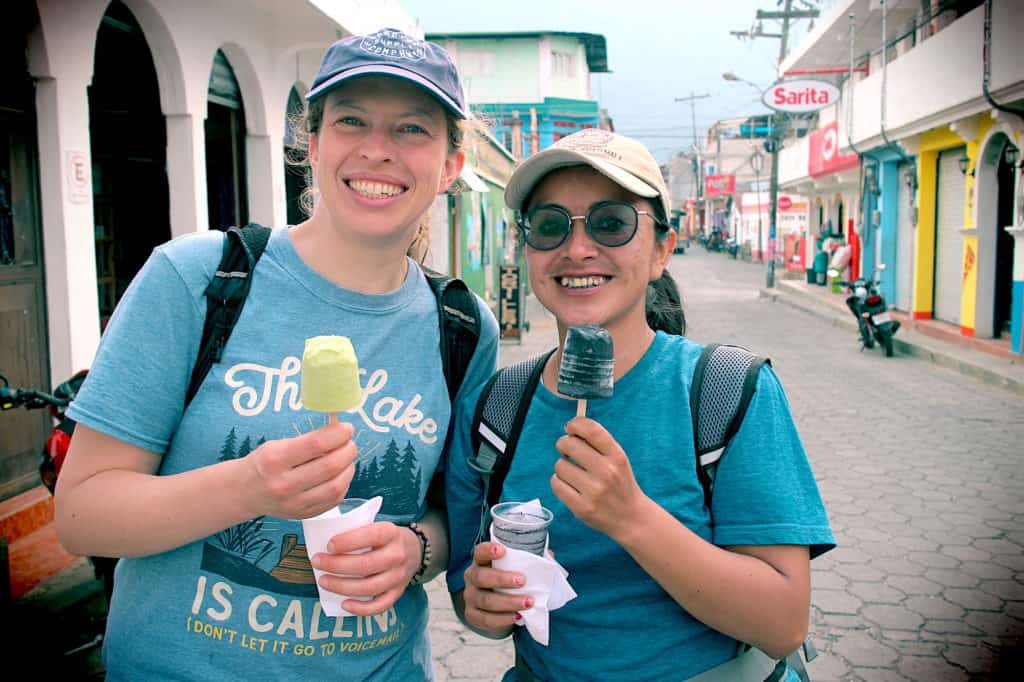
330 375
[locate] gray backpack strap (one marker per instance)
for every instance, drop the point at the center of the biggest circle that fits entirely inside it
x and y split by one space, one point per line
497 423
724 381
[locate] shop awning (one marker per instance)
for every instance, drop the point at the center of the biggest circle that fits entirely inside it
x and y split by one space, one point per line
472 180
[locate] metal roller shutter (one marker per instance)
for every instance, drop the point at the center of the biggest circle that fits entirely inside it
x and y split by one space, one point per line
949 221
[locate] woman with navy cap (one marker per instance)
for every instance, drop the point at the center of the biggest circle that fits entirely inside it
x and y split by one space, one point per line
201 502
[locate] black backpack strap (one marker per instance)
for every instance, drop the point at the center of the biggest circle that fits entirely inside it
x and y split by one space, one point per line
724 381
497 423
459 324
225 296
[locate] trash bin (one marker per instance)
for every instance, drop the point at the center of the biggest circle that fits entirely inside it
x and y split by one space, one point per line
820 267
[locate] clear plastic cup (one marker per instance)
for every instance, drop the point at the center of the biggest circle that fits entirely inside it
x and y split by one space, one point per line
517 525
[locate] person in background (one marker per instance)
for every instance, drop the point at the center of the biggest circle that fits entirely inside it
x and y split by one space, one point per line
667 587
203 502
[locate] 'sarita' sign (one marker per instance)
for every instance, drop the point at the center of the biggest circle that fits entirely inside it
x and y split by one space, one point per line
800 96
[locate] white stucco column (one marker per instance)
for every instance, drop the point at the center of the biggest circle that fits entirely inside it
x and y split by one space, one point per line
186 174
65 164
265 178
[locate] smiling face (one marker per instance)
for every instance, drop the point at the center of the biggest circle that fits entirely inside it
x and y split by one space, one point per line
583 282
380 157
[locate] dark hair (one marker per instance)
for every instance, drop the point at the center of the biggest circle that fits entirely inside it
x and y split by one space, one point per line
664 305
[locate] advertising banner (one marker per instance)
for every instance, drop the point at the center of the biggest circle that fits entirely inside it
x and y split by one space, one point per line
824 156
719 185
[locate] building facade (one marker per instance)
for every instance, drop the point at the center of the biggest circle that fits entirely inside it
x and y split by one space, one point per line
122 125
935 120
532 88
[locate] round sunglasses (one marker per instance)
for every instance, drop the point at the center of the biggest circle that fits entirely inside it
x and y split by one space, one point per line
609 223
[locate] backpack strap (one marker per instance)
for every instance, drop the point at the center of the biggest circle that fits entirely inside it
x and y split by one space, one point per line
225 296
724 381
497 423
459 324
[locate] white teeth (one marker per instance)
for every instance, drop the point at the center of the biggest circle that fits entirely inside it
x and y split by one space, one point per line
582 282
375 190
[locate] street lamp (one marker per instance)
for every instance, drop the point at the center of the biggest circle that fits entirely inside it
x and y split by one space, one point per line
730 76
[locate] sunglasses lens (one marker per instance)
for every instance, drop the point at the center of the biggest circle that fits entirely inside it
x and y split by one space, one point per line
546 228
612 224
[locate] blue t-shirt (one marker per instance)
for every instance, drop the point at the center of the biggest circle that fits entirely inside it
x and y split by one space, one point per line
623 625
242 604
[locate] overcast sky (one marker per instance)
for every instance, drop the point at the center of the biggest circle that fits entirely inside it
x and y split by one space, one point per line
658 50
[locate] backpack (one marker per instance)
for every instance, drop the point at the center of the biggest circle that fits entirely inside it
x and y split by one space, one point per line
724 381
723 384
226 293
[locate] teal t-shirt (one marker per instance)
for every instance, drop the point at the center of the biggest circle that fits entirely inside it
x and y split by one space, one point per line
242 604
623 625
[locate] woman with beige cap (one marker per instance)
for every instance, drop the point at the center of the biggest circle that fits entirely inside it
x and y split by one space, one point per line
667 588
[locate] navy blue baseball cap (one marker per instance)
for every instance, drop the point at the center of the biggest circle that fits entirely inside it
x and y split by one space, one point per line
389 52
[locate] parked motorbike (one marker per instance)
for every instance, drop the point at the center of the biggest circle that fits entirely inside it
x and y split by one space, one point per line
714 241
732 247
57 444
874 321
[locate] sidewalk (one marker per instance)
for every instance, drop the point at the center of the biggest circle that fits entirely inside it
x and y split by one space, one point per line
988 360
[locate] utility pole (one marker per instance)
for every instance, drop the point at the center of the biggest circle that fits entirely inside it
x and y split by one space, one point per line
777 135
699 170
693 112
779 120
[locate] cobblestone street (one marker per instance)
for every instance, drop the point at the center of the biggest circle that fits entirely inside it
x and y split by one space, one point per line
921 472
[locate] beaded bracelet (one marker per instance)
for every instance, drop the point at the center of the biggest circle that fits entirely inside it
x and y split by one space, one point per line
428 554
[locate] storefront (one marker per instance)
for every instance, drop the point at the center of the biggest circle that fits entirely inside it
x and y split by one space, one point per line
835 178
888 230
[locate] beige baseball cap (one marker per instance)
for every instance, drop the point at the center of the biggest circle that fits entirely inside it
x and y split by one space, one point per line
623 160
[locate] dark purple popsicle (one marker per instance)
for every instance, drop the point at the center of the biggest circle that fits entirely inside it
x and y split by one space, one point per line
588 363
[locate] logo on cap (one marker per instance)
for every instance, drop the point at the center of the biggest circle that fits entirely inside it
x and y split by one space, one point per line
393 44
590 141
589 137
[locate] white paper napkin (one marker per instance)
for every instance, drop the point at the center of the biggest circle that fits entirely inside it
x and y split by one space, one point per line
546 581
318 531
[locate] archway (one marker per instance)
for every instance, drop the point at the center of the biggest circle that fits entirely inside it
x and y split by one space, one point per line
127 134
226 189
294 175
995 187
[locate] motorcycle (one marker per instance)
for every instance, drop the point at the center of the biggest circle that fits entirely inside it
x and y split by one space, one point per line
732 247
874 321
714 241
57 444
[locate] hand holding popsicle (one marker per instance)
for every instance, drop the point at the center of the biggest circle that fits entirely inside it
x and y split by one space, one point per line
299 477
330 376
588 365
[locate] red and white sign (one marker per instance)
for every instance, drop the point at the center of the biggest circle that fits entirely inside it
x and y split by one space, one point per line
824 156
719 185
800 96
785 203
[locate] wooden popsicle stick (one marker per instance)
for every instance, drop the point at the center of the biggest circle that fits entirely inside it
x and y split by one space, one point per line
332 418
581 408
